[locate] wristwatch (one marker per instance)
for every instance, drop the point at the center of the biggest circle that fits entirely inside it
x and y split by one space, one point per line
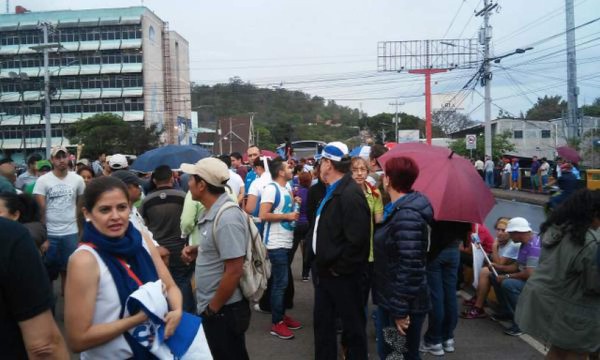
507 276
208 312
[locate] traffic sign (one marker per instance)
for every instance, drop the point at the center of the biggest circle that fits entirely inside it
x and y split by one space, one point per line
471 142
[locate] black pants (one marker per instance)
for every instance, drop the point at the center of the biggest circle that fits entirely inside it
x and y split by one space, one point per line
299 234
225 331
339 296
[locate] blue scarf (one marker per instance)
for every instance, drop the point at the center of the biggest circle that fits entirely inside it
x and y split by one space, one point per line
130 249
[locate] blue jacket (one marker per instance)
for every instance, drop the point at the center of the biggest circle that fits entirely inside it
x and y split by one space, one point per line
400 249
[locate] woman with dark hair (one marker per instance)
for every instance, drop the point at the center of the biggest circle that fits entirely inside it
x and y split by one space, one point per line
113 260
24 209
400 249
560 303
86 173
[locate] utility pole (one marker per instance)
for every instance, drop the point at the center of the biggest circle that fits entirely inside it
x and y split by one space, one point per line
396 119
485 36
45 47
572 89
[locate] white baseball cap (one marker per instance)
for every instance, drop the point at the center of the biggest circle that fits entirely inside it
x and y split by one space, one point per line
518 224
118 162
211 170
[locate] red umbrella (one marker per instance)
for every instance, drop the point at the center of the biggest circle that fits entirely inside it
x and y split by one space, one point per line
266 153
450 182
569 154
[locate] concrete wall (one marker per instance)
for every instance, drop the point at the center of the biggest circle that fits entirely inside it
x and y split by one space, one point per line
154 101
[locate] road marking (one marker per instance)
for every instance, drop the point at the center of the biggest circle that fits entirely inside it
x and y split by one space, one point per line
526 338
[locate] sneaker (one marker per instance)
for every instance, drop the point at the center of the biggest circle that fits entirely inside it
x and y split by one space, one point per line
473 313
513 331
291 323
448 345
281 331
305 279
433 349
258 309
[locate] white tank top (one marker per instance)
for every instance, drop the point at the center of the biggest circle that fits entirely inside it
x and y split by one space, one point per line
107 309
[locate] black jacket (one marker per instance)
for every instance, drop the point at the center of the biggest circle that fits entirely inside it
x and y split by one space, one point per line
400 250
343 231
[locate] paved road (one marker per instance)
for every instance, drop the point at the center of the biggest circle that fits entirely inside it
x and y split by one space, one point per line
533 213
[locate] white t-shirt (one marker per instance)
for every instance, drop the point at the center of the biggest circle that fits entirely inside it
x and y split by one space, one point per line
489 165
479 165
235 182
507 169
258 185
61 201
278 234
544 168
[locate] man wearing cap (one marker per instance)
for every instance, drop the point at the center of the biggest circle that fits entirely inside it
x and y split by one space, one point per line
7 175
56 192
42 168
508 287
118 162
161 210
567 183
340 242
30 175
219 261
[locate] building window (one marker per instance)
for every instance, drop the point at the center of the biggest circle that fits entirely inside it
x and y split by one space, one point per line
518 134
151 33
546 134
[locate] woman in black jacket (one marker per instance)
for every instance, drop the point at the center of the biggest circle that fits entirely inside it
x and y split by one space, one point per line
400 248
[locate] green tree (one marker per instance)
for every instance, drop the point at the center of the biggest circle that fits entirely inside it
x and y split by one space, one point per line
109 132
593 109
450 121
547 108
501 144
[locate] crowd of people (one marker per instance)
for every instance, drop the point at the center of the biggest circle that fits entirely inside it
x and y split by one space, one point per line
366 237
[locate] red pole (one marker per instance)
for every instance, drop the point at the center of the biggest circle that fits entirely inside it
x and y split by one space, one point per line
427 73
428 107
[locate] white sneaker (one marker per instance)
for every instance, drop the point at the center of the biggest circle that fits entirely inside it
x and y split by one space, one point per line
258 309
433 349
448 345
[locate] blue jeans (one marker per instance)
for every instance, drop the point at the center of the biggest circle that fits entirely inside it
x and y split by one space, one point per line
413 334
508 294
59 250
489 178
441 278
279 274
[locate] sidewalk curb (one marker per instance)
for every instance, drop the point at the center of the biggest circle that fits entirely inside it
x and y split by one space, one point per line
523 197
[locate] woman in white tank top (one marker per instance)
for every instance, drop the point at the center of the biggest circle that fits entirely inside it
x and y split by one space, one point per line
92 302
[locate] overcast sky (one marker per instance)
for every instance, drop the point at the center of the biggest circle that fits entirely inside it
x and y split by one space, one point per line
329 47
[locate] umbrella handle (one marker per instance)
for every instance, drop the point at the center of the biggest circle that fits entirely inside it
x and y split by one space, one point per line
487 259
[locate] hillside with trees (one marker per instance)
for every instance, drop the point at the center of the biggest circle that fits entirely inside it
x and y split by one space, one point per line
281 113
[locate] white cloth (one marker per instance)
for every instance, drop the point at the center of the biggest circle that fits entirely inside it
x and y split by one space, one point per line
507 169
478 259
154 303
544 168
235 182
61 201
278 234
510 250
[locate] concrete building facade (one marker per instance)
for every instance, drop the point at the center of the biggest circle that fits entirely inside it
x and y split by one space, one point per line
121 60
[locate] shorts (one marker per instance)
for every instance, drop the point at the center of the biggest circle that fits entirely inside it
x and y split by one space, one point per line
61 247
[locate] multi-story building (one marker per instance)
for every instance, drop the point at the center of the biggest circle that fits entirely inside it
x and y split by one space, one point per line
122 60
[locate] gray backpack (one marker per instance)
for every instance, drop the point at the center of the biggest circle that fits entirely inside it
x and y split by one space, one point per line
257 267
